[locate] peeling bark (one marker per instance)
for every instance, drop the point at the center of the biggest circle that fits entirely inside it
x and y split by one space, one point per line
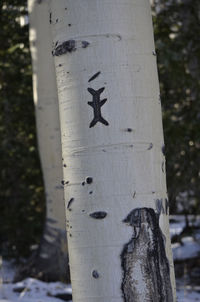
146 274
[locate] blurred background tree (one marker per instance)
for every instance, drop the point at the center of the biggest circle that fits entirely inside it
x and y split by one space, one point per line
22 201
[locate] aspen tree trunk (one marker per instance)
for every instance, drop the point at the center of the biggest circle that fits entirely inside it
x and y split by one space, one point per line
112 144
52 259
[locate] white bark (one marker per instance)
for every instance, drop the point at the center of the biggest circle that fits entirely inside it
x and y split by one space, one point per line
116 190
54 242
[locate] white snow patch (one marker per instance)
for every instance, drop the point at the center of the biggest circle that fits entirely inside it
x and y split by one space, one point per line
189 249
33 290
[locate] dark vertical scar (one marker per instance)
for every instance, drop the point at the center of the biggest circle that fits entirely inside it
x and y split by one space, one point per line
69 203
96 104
145 255
163 150
94 76
159 206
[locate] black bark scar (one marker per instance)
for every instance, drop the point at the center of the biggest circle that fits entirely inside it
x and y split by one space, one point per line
69 203
65 47
96 104
145 255
94 76
98 215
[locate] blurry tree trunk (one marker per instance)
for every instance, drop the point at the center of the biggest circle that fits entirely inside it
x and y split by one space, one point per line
51 262
112 144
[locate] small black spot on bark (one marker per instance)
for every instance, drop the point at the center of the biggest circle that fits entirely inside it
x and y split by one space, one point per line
89 180
94 76
129 129
65 47
69 24
134 194
50 16
85 44
60 65
56 20
90 192
95 274
64 165
150 146
98 215
63 182
69 203
83 183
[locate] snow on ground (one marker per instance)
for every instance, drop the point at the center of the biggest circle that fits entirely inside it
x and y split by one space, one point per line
189 249
187 296
190 246
32 290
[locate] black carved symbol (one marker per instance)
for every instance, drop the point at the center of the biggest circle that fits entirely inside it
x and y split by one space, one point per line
96 104
144 255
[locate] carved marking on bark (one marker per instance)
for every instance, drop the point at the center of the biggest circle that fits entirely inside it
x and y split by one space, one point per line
98 215
94 76
146 275
96 104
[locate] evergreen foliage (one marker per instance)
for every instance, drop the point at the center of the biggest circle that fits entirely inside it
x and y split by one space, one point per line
177 27
21 186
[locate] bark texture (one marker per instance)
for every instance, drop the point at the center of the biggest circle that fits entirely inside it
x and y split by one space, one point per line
112 144
51 260
145 256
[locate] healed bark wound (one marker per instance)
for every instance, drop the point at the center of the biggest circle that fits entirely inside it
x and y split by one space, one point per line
144 258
